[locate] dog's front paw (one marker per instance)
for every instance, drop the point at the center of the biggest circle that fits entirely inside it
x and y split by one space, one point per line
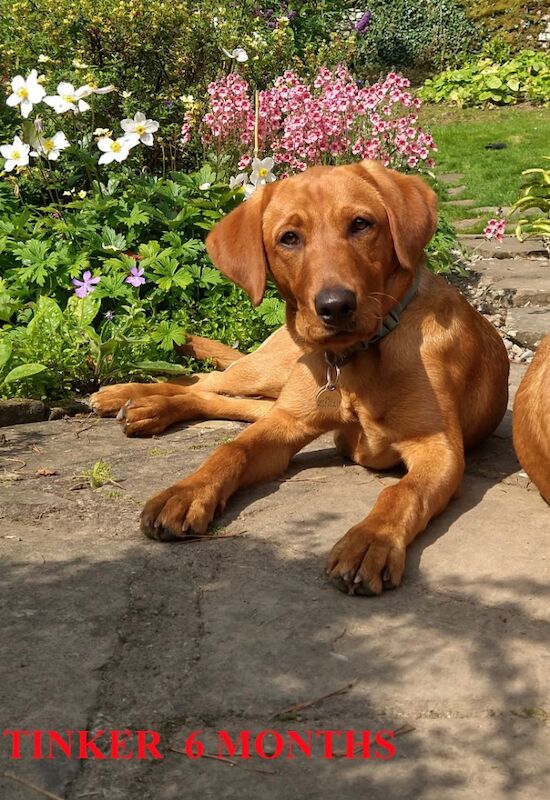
148 416
110 399
184 509
366 562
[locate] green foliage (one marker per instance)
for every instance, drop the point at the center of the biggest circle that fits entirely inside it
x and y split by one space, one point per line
535 194
484 82
420 37
443 248
18 373
118 332
164 52
511 23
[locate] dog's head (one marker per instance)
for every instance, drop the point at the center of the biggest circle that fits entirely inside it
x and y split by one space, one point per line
341 243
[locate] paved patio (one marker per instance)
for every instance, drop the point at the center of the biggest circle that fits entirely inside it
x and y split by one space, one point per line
104 629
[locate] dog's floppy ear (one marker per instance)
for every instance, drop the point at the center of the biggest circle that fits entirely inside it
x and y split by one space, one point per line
236 246
411 207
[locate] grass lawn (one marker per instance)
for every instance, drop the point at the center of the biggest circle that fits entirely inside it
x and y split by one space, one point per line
491 177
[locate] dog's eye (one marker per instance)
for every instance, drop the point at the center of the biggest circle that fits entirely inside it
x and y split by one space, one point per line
360 224
290 239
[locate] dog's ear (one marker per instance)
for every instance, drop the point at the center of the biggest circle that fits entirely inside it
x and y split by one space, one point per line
411 207
236 246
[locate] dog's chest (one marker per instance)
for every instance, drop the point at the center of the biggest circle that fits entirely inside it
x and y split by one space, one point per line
365 409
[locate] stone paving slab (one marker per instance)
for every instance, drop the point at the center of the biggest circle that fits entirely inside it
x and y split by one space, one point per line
508 248
529 325
526 280
103 628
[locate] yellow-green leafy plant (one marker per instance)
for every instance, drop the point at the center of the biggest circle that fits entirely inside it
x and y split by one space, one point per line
535 195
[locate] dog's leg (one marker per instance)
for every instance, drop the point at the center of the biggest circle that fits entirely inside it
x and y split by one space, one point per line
220 354
260 453
110 399
151 414
372 553
262 373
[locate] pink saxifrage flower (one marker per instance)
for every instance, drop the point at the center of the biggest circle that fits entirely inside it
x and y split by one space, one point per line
87 285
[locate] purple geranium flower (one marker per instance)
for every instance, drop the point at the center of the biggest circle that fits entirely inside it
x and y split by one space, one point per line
362 25
86 285
136 277
109 316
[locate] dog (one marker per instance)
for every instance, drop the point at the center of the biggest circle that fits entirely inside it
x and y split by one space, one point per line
531 420
376 348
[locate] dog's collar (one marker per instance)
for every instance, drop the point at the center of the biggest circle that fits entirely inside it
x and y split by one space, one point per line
390 322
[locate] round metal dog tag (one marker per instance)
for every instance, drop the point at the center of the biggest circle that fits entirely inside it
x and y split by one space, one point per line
328 399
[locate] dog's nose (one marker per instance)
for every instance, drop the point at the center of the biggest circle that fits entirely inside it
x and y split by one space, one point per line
335 305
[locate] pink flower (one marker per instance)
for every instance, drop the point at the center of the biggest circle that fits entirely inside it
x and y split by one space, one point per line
495 229
136 277
302 124
87 285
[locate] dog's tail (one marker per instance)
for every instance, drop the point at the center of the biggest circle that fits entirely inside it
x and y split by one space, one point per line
201 348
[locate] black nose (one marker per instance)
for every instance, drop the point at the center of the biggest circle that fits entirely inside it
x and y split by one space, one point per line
335 305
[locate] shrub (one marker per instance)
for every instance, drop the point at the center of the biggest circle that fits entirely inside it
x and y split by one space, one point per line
483 82
418 37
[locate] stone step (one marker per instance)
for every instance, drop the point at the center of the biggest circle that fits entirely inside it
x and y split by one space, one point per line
528 325
465 202
521 281
510 247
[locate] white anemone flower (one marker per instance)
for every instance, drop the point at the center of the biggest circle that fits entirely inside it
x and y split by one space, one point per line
51 147
69 99
16 154
116 149
141 127
262 171
239 54
26 92
238 180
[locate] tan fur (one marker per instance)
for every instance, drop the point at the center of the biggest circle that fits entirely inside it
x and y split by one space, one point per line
437 384
531 420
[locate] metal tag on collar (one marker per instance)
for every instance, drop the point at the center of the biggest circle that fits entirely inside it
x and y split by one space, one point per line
329 398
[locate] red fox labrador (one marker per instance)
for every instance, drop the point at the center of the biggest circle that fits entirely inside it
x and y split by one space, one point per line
531 420
375 348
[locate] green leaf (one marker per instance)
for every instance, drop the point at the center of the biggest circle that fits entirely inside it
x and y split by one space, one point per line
162 367
85 309
167 335
493 82
5 352
111 240
23 371
137 216
47 318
